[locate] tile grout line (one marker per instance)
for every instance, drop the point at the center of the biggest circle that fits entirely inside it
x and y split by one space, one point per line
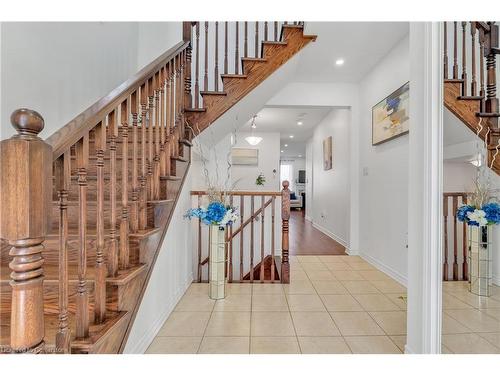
206 326
291 318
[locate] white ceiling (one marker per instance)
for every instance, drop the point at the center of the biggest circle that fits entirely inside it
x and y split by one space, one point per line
360 44
284 121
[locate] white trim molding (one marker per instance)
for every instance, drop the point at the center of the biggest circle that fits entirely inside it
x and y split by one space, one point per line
425 189
335 238
384 268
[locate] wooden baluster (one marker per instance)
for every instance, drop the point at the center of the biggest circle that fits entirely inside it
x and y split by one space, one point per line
242 208
252 212
275 31
273 209
143 194
230 276
237 50
156 129
464 59
262 227
455 50
199 243
482 92
473 83
216 69
25 204
183 95
445 48
163 126
62 170
113 246
445 228
246 40
124 226
265 30
151 124
197 68
170 109
455 238
257 39
225 46
285 217
491 104
205 79
465 267
100 266
177 105
134 206
82 298
187 81
172 113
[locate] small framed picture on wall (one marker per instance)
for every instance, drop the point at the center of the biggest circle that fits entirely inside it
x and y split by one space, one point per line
327 153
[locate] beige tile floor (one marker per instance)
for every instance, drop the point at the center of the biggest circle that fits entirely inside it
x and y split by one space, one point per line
471 324
333 304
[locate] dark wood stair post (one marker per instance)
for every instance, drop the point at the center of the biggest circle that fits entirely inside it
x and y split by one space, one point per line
285 217
25 206
491 104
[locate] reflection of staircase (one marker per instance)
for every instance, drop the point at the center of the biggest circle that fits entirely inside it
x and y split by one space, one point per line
84 213
471 95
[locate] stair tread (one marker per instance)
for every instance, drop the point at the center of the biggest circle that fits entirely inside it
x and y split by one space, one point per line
51 274
195 110
222 93
260 59
171 178
275 42
487 114
453 80
186 142
96 331
142 233
469 97
242 76
180 158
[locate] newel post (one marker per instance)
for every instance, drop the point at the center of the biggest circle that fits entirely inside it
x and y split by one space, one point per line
25 203
285 216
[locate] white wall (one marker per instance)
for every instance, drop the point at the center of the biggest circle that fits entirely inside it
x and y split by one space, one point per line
269 160
172 274
331 189
383 189
458 177
309 179
60 69
154 38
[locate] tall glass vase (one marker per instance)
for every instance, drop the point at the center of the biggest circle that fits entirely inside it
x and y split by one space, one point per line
479 258
217 275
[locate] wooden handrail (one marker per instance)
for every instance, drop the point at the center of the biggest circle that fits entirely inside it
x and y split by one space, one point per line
251 218
74 130
242 193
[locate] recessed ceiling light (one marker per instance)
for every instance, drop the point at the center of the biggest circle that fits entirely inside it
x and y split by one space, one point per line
300 156
291 135
339 62
299 123
281 150
286 145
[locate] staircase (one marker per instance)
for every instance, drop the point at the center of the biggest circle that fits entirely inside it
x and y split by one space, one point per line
84 212
470 91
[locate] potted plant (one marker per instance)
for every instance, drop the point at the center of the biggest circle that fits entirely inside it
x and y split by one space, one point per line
260 180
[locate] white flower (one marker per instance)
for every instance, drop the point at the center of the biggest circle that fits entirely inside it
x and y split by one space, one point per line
479 216
228 216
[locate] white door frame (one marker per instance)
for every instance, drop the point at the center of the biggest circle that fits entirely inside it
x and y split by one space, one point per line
425 189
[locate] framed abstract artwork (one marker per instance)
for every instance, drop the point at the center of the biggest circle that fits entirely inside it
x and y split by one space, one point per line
390 117
245 156
327 153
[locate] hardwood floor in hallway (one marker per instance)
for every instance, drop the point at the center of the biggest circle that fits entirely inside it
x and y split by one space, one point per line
307 240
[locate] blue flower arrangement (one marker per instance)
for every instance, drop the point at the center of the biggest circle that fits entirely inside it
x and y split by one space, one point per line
215 213
488 214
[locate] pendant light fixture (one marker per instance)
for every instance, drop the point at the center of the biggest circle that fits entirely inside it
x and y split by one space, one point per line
252 139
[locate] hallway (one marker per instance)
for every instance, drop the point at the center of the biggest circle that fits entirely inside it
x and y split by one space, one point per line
307 240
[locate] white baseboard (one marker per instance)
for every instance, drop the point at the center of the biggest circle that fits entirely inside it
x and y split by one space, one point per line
386 269
308 218
331 235
143 344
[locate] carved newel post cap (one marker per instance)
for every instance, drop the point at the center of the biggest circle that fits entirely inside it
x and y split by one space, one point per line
285 184
27 121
